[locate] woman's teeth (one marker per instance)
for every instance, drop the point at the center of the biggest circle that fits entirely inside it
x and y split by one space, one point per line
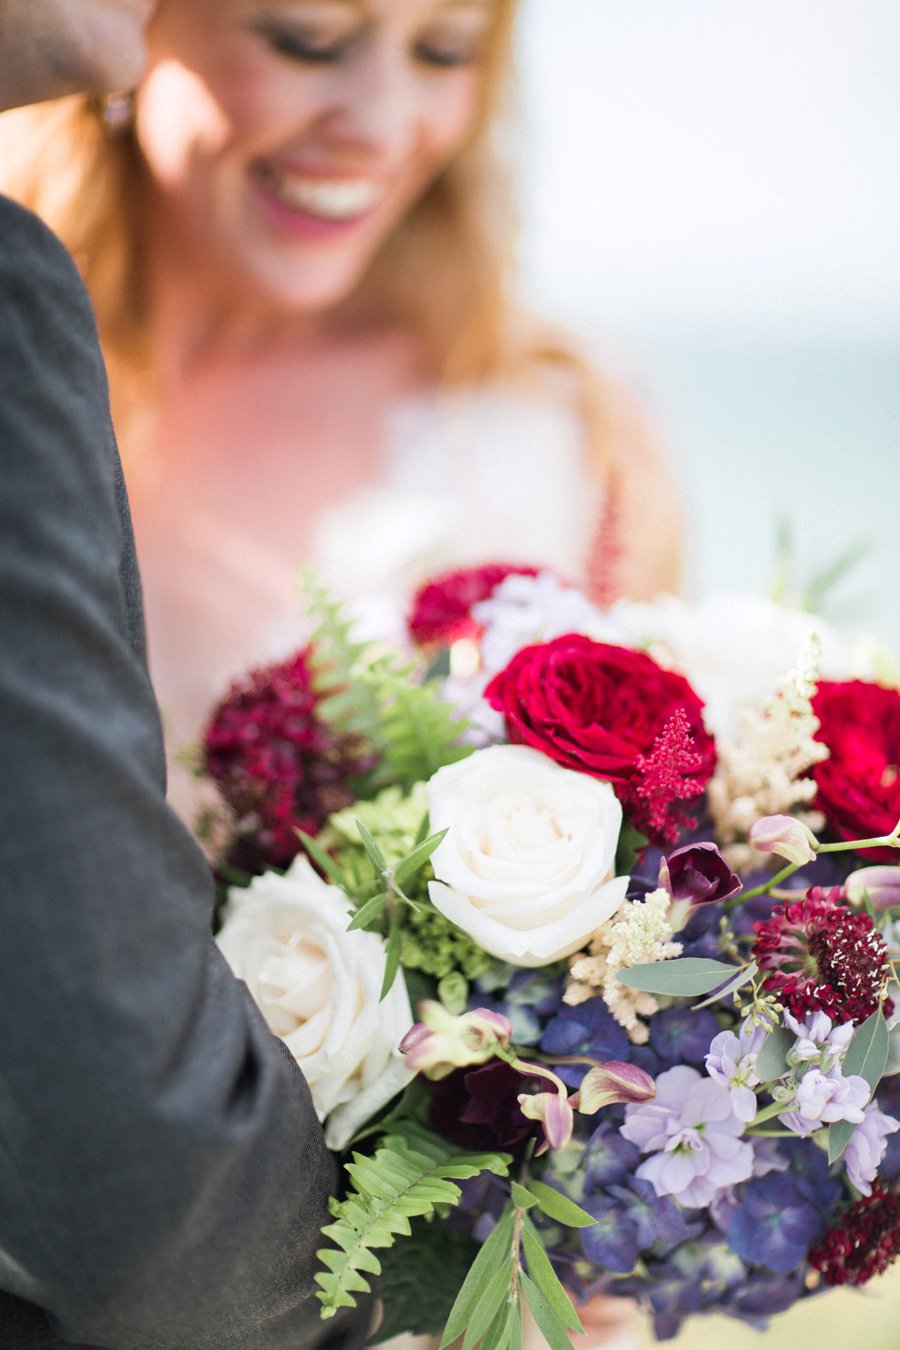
336 199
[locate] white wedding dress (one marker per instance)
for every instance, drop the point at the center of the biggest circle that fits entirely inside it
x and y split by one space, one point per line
485 476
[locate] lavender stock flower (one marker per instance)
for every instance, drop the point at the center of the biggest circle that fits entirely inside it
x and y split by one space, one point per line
867 1147
731 1061
693 1136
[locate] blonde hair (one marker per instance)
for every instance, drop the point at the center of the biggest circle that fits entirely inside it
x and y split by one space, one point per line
446 271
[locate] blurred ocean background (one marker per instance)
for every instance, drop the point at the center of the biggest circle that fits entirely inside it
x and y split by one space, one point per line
711 193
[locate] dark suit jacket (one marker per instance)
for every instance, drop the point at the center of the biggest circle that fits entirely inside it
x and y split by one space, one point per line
162 1172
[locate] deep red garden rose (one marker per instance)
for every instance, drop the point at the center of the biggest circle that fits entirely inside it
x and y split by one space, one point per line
442 608
859 784
597 709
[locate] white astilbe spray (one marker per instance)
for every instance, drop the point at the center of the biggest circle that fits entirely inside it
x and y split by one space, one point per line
640 933
762 772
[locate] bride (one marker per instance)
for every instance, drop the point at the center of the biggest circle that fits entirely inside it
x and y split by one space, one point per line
299 241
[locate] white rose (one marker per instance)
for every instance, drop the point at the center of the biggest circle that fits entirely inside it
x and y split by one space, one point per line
526 867
317 987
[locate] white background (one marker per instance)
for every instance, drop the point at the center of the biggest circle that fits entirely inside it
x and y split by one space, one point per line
711 190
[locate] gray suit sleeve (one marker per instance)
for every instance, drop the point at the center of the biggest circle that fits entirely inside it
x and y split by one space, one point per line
162 1173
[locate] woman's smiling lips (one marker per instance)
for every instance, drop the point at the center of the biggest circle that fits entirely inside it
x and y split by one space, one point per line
313 204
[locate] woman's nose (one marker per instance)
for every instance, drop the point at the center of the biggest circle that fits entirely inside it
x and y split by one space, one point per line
375 100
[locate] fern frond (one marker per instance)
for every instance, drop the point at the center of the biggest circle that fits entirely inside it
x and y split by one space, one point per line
409 1174
418 731
336 658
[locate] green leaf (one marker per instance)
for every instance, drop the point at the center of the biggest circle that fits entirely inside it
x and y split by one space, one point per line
771 1062
560 1207
744 976
490 1303
839 1132
631 845
546 1278
868 1051
419 856
521 1198
497 1335
325 861
493 1250
370 912
680 977
552 1329
393 950
379 861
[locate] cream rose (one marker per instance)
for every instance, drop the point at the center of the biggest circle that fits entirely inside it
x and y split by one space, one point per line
317 987
526 867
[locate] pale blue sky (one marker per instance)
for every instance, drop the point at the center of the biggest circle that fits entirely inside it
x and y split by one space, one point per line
709 161
712 192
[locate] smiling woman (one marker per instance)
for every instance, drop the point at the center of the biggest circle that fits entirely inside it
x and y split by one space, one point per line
300 247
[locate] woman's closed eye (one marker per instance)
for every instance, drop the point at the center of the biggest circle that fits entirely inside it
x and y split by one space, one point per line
298 44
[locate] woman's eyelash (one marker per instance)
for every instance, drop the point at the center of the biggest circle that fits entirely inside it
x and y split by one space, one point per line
445 57
301 48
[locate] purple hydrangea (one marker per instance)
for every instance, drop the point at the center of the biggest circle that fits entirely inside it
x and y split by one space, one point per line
774 1224
631 1221
588 1029
693 1136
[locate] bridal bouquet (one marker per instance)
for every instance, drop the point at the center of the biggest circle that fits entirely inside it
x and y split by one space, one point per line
582 926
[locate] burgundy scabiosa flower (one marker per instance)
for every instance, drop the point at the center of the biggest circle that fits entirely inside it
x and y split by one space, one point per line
276 764
863 1244
819 956
442 608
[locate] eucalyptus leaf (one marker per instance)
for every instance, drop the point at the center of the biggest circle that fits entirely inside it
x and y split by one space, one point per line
743 977
868 1051
771 1062
680 977
560 1207
839 1133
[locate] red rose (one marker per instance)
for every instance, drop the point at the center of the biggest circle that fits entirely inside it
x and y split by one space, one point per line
597 709
859 784
442 608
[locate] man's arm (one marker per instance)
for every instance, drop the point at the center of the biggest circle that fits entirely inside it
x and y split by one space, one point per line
162 1172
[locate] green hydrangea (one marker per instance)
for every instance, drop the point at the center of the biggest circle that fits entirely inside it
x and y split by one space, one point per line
436 946
395 819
